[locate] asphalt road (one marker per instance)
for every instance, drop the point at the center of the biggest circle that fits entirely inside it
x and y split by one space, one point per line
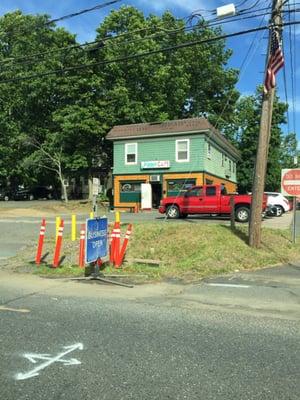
235 337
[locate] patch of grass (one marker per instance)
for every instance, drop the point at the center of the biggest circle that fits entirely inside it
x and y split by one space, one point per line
186 252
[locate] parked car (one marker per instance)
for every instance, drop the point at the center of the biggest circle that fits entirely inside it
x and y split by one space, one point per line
278 201
207 200
35 193
5 194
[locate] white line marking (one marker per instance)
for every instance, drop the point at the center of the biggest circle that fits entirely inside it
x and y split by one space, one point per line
228 285
20 310
49 360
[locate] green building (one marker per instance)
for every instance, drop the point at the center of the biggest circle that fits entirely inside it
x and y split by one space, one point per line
170 157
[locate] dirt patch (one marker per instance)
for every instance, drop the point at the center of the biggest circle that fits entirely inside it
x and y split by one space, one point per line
76 207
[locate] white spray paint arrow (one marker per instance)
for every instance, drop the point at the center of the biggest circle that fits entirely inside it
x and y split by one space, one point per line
49 360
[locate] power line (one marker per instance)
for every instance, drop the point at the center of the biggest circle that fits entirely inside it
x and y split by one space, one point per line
213 22
244 64
285 91
87 10
292 67
145 54
25 60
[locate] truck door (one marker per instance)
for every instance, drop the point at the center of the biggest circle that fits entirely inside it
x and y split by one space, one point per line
191 202
210 200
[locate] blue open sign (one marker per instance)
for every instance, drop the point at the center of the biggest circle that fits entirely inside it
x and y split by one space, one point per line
96 239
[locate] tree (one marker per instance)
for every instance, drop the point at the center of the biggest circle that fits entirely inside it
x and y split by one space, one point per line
175 84
67 115
58 114
243 132
290 152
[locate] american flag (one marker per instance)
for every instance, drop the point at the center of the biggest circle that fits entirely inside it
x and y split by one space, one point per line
275 62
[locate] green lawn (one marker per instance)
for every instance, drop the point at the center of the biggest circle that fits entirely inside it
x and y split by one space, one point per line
186 252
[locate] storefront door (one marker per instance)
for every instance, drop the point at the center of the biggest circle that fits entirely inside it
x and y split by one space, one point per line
156 194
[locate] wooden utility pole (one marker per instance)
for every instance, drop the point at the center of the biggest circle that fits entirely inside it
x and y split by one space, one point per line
263 145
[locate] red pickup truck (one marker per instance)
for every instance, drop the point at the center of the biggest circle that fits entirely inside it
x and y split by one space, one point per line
210 199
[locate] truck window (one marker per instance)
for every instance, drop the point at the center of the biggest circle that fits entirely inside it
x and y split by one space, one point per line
198 191
211 191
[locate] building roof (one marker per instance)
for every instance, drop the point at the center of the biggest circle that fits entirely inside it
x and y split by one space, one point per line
170 128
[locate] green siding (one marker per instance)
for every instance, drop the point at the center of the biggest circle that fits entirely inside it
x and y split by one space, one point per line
164 149
159 149
213 165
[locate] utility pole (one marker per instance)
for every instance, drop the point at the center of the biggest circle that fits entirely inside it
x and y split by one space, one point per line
263 144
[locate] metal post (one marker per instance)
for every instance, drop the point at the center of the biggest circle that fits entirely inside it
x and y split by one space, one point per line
294 218
95 207
232 213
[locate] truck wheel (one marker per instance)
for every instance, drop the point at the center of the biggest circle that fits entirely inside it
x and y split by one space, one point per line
279 211
173 212
242 214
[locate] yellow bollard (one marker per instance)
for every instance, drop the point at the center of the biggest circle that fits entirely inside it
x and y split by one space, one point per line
73 234
57 226
91 215
117 216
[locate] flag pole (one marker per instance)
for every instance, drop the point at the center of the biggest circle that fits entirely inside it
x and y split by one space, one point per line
274 63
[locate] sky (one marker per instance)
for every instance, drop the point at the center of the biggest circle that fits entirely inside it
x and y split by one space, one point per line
251 75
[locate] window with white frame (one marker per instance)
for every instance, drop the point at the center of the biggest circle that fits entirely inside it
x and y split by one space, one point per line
182 150
208 150
130 153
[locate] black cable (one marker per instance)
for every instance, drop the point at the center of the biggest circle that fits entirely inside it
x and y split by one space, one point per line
145 54
242 66
250 8
292 67
100 42
32 58
97 7
285 88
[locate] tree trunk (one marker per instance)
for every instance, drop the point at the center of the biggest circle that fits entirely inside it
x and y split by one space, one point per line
63 186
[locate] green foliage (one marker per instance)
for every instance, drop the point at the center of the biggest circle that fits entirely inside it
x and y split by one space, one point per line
244 130
176 84
54 126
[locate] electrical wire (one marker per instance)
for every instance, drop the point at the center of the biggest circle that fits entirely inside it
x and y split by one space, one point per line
26 60
292 67
285 90
87 10
250 8
100 42
144 54
245 64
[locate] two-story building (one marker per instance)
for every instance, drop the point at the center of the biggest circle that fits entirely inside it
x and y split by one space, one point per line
170 157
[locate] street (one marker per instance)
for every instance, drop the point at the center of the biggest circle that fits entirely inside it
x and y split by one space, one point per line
233 337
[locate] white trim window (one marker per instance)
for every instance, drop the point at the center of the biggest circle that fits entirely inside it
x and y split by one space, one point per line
183 150
208 150
130 153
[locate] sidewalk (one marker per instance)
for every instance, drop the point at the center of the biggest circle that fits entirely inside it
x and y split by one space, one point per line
283 222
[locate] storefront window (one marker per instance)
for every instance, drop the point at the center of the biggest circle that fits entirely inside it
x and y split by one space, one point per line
130 192
177 186
130 187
